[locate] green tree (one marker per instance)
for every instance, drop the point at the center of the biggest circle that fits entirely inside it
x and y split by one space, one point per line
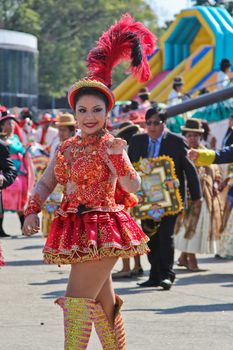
18 15
66 31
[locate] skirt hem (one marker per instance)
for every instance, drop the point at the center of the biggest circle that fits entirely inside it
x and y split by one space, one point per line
76 256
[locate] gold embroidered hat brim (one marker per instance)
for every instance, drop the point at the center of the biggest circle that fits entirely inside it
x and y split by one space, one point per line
88 83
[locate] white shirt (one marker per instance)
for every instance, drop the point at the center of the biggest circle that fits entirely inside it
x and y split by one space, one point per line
51 138
174 98
222 81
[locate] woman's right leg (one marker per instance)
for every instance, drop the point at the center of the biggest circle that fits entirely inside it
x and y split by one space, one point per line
87 279
85 282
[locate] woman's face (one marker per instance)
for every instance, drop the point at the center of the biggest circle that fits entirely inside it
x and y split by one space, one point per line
193 139
8 127
91 114
64 133
227 70
179 88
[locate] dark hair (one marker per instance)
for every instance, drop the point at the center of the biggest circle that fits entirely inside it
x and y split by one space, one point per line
225 63
178 81
125 108
134 105
127 135
175 85
203 91
151 112
163 115
144 97
156 112
25 113
206 128
93 92
71 128
2 122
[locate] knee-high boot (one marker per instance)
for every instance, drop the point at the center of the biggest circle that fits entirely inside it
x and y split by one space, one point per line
78 316
110 338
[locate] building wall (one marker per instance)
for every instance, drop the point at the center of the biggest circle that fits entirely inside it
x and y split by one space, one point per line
18 69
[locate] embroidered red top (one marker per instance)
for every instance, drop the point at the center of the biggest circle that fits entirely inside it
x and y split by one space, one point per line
89 175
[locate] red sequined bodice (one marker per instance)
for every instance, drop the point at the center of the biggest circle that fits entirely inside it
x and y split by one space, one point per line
90 171
81 168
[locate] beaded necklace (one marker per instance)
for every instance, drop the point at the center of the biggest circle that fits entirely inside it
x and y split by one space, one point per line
86 145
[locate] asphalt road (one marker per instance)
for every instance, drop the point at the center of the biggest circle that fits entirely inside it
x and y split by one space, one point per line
196 314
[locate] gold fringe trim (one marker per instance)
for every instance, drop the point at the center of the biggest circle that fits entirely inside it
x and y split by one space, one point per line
74 257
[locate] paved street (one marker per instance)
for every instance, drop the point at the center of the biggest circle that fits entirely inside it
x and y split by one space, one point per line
196 314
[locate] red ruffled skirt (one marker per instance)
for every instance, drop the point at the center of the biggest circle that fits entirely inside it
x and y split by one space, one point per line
93 235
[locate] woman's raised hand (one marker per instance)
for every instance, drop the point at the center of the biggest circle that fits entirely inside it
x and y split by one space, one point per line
31 225
193 154
116 146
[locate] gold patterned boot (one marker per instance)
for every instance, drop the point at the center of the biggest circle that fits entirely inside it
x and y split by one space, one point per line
111 339
78 316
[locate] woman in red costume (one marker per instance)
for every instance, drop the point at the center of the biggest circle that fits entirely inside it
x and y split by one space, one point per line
90 230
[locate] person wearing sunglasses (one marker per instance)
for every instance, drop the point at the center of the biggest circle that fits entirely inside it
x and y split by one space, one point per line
156 142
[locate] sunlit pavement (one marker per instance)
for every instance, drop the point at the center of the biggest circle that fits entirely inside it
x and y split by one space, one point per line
197 313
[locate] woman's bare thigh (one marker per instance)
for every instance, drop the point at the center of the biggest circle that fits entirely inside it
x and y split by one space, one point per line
87 279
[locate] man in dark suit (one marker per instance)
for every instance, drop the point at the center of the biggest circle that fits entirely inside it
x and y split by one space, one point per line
159 141
7 176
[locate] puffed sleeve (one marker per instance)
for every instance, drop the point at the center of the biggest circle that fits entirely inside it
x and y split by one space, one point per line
127 176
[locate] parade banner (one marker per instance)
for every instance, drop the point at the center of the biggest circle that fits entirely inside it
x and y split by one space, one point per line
159 193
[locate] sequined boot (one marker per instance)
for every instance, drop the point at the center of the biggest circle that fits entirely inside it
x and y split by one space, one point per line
78 316
111 339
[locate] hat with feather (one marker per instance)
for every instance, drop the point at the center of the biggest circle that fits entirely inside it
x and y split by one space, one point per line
125 40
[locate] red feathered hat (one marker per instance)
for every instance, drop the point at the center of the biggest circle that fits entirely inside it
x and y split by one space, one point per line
125 40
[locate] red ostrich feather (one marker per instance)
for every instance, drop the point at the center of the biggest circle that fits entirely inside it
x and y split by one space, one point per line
125 40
